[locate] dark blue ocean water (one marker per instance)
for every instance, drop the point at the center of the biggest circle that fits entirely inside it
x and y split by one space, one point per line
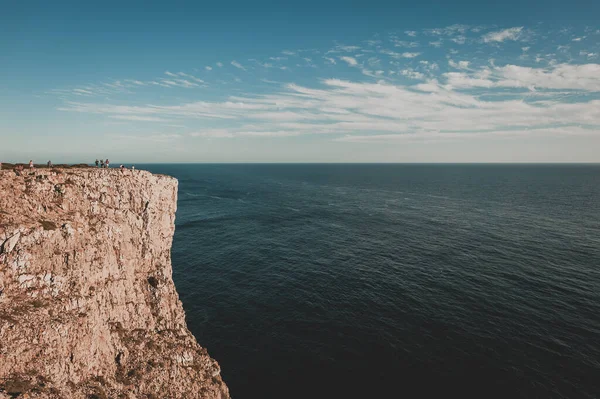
373 281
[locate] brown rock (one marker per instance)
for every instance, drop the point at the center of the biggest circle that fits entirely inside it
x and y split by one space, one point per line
88 307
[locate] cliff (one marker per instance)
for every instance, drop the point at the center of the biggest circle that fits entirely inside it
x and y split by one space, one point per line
88 308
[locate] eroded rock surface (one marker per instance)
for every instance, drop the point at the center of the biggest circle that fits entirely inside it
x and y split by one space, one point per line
88 308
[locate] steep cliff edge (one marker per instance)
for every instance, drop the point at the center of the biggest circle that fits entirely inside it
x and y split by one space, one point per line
88 308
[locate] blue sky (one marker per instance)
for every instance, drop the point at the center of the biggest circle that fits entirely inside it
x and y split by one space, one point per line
312 81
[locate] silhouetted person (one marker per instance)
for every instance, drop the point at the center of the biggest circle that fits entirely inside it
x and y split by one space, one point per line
97 162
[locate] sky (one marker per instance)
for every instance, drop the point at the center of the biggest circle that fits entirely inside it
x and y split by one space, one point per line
310 81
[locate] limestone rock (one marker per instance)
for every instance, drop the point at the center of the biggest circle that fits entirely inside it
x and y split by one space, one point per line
10 243
88 307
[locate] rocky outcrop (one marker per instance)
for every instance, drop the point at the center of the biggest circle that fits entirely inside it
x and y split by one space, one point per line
88 308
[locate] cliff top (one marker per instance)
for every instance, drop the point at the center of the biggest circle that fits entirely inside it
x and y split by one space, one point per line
41 196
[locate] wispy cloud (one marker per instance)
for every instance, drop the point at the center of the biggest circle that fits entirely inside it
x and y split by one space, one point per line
410 55
502 35
349 60
459 64
238 65
160 138
435 109
386 95
456 29
344 49
563 76
138 118
396 55
403 43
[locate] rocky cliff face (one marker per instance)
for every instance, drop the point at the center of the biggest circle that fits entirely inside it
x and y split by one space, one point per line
88 308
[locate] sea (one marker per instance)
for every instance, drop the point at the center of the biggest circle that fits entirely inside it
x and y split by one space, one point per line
393 280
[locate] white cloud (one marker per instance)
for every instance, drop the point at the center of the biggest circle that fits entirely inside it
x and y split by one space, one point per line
589 55
402 43
437 136
459 64
349 60
410 100
412 74
345 108
161 138
238 65
139 118
437 43
219 64
136 82
562 76
208 68
399 55
82 92
411 33
459 39
452 30
410 55
347 49
192 77
506 34
177 83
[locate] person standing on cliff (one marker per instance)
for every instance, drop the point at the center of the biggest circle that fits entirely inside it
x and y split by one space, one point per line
101 163
97 162
30 164
107 163
49 164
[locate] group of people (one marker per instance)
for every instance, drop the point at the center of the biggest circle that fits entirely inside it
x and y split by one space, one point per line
106 164
102 163
123 168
